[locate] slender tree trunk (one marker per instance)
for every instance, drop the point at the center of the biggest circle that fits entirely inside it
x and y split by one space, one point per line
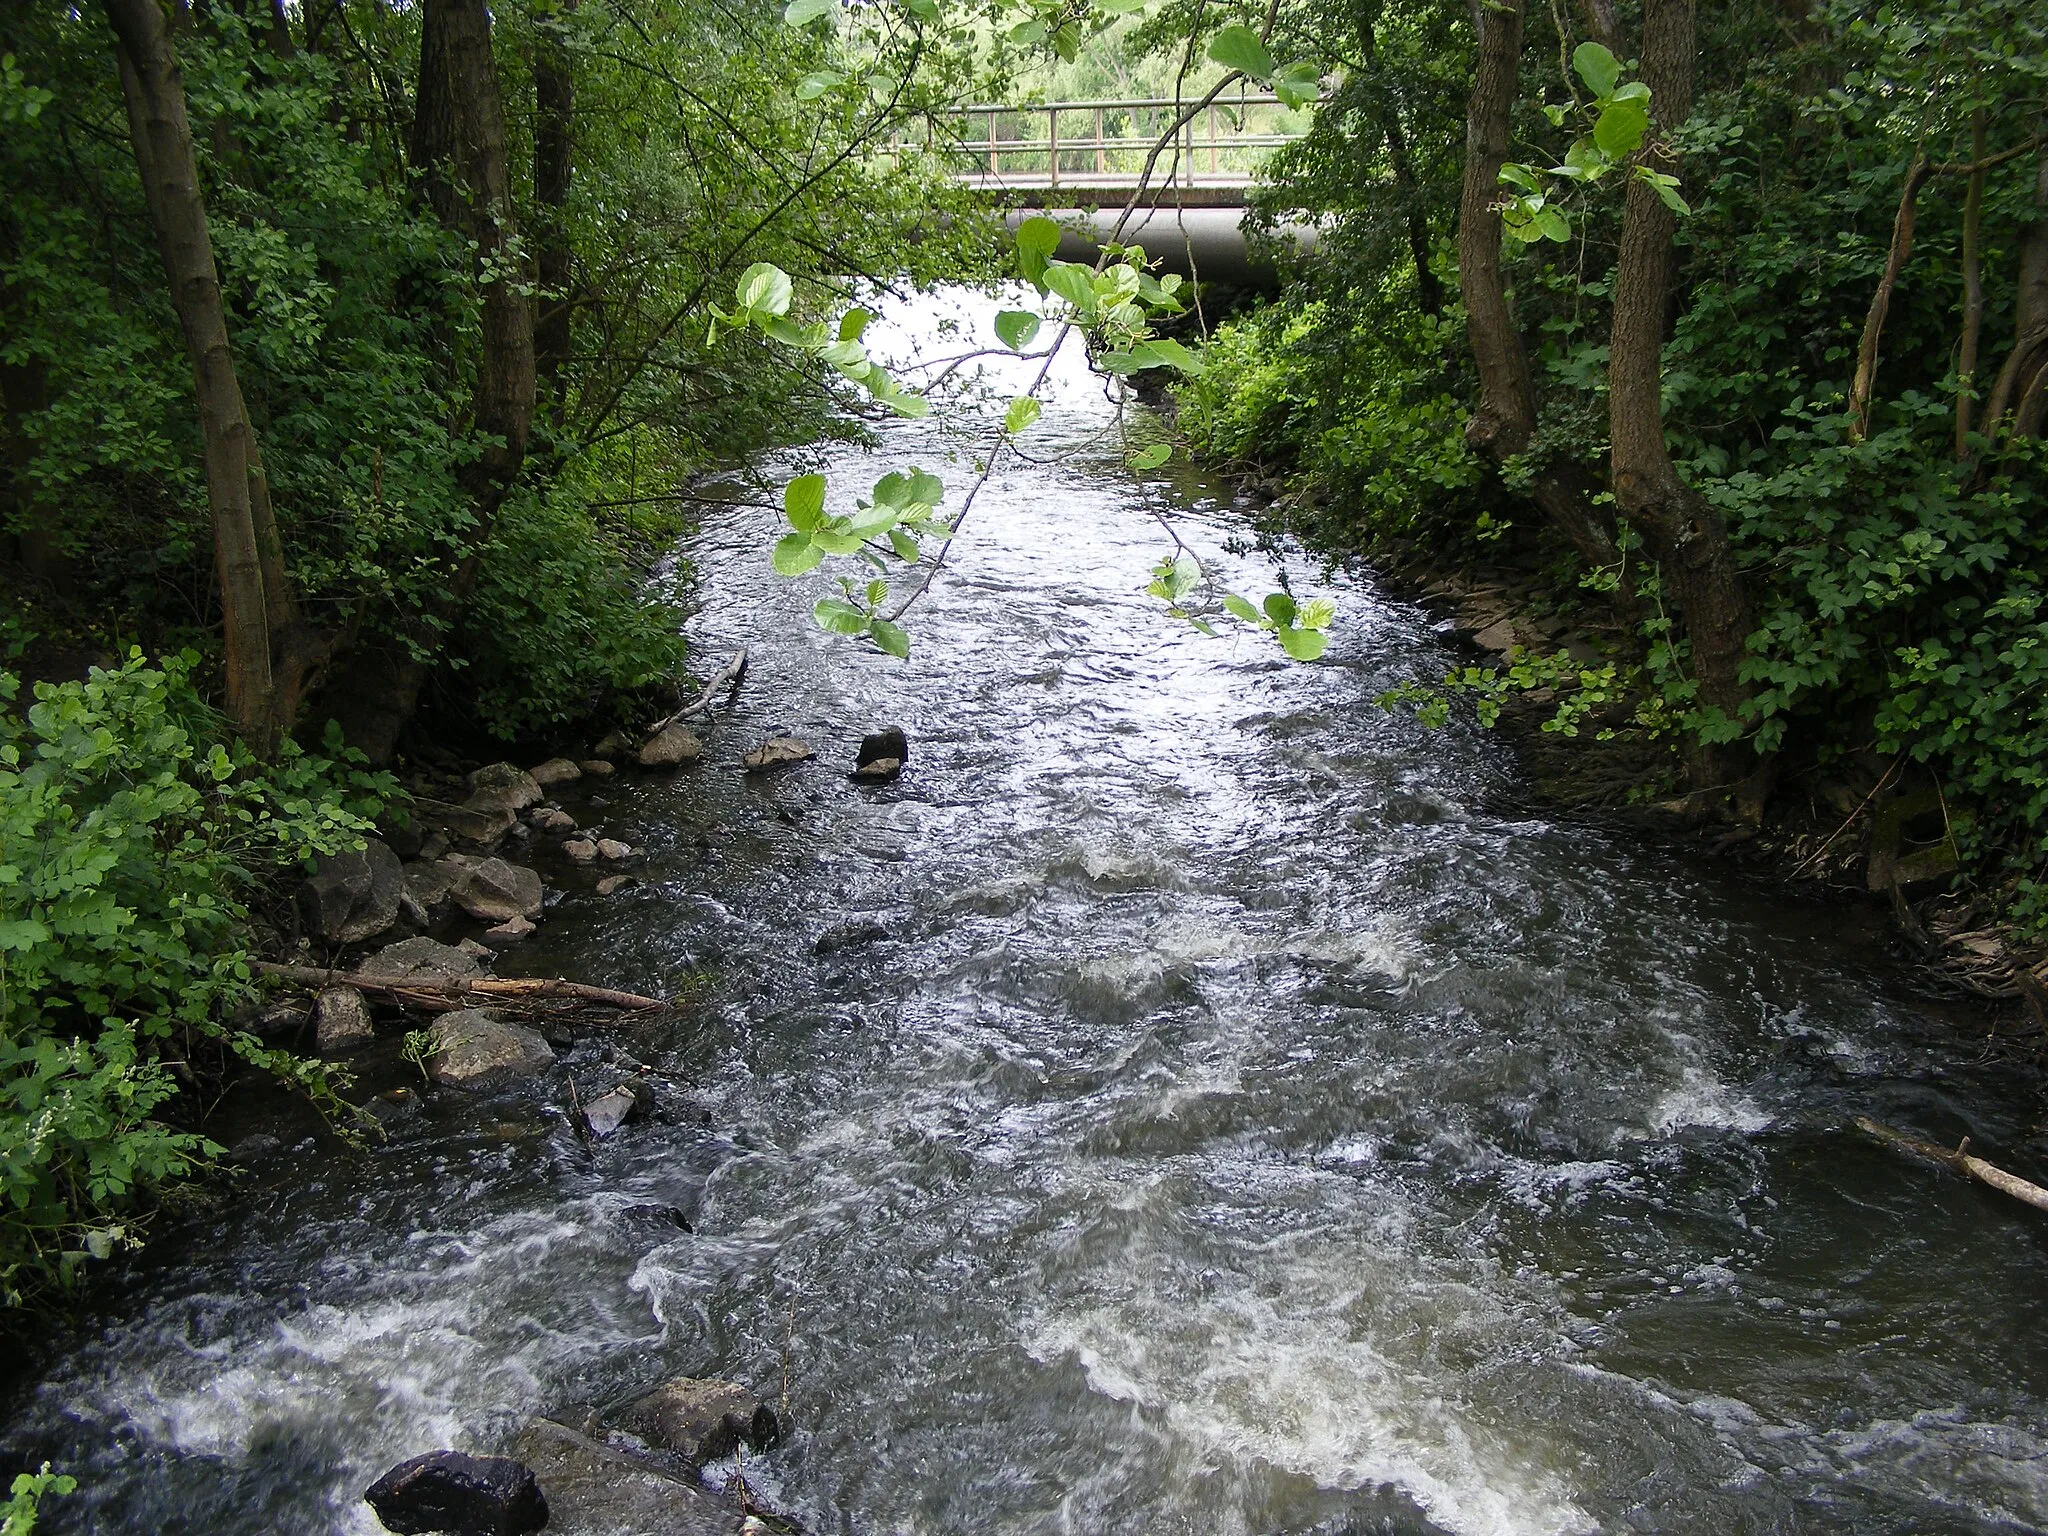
554 90
2016 400
1865 383
459 146
1685 533
1429 289
1973 289
255 605
1504 424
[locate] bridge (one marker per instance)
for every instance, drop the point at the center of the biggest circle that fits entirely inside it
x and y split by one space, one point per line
1082 163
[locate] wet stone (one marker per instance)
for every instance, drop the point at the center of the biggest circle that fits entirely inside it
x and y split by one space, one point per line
420 959
341 1021
496 891
598 768
556 770
503 786
351 897
612 848
460 1494
776 752
581 849
672 747
876 746
475 1049
703 1420
511 931
594 1490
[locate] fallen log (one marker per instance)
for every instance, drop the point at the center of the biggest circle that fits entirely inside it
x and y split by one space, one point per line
514 988
1959 1161
734 672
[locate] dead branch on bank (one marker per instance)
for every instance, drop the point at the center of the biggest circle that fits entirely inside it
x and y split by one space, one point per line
444 995
732 674
1959 1161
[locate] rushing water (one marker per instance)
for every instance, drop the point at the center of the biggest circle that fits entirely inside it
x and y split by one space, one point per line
1190 1100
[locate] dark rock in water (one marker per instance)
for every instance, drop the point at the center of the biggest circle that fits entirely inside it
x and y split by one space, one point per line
608 1111
849 935
255 1149
594 1490
879 771
420 959
351 897
460 1494
480 825
704 1420
876 745
341 1021
496 891
477 1050
285 1016
502 785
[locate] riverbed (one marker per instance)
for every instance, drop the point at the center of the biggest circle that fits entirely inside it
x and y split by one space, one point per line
1192 1099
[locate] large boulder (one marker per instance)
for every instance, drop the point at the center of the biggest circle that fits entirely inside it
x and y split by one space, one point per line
351 897
495 891
703 1420
671 747
420 959
478 1050
482 826
341 1021
594 1490
430 883
501 784
461 1494
556 770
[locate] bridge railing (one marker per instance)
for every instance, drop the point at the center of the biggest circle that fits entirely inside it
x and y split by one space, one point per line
1084 144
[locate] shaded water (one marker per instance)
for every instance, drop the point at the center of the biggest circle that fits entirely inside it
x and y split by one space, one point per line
1215 1106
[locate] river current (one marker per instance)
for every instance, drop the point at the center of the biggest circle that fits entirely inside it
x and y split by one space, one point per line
1190 1100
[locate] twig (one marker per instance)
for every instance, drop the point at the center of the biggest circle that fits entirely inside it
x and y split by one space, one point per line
1824 847
1959 1161
405 988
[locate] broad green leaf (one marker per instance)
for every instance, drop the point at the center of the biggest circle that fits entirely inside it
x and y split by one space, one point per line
817 83
763 289
803 502
1620 127
1174 355
1582 162
904 543
1521 176
1635 90
913 407
876 591
1119 7
1015 328
838 617
1239 608
1552 225
1666 188
893 490
1238 47
1279 608
22 933
1072 282
1151 458
1023 411
1297 85
1120 363
923 10
1597 67
870 522
1027 33
927 488
890 637
1037 239
802 12
853 324
837 538
849 357
795 554
1316 613
1303 644
1066 42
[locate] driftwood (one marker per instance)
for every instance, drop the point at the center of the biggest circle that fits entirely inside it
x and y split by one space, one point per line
453 993
732 674
1959 1161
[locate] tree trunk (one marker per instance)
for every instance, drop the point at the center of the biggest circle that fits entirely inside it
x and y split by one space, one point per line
1973 289
256 610
1685 533
1865 382
1429 289
2017 398
1504 424
554 90
459 146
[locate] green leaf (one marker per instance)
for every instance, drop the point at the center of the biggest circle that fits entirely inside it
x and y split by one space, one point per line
1238 47
1120 363
1597 67
890 637
800 13
1520 176
1066 42
1552 225
1303 644
1072 282
1298 85
1620 127
893 490
1666 188
1239 608
1023 411
1279 608
849 357
837 538
1635 90
1037 239
913 407
1151 458
905 544
1016 328
818 82
1316 613
1173 355
763 289
923 10
795 554
926 488
839 618
803 502
853 324
1027 33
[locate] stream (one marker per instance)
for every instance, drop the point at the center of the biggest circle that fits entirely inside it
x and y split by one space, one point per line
1192 1099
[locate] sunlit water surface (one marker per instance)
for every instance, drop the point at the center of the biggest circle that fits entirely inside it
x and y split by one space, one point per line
1217 1106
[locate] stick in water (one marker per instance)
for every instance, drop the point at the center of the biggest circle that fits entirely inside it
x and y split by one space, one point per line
1959 1161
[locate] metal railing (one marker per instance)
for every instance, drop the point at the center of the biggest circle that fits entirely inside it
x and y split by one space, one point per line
1083 144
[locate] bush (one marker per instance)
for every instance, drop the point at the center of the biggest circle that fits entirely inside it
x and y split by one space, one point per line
132 837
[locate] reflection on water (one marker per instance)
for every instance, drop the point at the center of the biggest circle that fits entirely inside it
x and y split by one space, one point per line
1217 1106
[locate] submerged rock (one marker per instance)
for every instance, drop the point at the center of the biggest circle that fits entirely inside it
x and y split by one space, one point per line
351 897
496 891
341 1021
420 960
672 747
612 883
511 931
477 1050
461 1494
702 1420
598 768
775 752
556 770
593 1490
